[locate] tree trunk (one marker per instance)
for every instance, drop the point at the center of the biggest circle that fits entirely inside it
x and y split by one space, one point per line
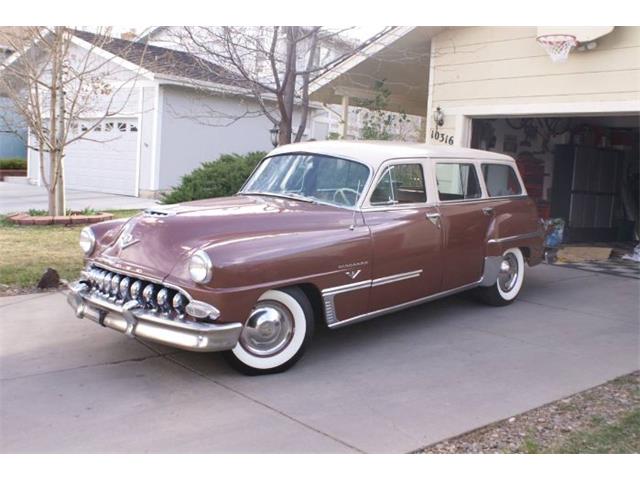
61 207
288 88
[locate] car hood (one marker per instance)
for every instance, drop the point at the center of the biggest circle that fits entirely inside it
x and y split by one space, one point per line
151 244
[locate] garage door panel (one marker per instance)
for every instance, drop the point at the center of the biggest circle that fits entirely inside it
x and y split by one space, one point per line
105 160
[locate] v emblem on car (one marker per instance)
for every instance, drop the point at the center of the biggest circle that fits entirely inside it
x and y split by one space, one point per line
353 274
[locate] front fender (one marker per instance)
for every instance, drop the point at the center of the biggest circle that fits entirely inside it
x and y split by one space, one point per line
246 267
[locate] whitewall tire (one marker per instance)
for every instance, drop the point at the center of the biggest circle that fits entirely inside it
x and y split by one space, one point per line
275 335
509 282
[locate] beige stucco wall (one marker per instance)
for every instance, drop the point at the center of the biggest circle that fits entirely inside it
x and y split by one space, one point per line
491 71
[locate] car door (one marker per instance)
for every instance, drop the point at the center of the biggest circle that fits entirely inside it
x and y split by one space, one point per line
405 234
466 217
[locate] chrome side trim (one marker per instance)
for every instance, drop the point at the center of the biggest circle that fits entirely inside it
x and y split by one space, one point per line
395 278
515 237
346 288
401 306
328 294
489 277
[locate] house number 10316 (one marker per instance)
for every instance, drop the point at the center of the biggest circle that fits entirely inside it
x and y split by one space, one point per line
441 137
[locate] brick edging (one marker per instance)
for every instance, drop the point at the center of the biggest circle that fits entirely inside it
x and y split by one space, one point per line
26 219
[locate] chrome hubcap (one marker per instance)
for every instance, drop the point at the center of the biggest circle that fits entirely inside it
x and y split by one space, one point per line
268 330
508 275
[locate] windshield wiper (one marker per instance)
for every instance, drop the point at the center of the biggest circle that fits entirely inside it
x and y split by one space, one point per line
290 196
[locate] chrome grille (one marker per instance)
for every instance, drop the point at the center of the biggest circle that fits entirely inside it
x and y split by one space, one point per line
119 288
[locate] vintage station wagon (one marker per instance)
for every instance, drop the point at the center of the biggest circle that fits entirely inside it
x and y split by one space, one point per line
335 232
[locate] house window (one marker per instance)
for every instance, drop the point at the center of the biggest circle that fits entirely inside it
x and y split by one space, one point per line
457 181
133 127
122 126
108 126
501 180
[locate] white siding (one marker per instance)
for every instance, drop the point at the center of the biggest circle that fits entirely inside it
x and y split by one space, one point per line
198 127
476 67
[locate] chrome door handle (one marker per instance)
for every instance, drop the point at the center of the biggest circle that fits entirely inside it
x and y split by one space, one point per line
487 211
434 218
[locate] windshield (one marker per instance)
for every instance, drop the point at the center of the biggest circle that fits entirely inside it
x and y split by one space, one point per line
310 177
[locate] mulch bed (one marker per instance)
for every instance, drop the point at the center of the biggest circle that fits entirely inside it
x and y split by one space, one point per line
546 426
26 219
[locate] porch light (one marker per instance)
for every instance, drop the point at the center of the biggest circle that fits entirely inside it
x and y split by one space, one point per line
274 135
438 117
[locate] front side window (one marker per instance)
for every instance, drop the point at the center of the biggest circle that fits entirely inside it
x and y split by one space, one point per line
501 180
400 184
457 181
310 177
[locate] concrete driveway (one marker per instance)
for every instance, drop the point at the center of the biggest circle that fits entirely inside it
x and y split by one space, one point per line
19 197
393 384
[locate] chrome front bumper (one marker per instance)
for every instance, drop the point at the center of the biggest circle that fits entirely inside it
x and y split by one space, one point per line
134 321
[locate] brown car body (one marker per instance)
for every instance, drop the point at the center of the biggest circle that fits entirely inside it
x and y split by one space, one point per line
353 263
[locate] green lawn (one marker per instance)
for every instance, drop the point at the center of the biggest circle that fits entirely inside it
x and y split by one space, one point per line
620 437
27 251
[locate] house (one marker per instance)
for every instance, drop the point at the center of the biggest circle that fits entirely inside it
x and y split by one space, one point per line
572 126
173 111
326 122
13 132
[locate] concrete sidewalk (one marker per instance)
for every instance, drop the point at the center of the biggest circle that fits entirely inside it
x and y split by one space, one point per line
18 197
393 384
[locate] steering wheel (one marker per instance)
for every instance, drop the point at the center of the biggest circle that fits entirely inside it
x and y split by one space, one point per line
342 193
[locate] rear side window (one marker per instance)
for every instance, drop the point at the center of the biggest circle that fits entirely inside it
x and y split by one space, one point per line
501 180
457 181
400 184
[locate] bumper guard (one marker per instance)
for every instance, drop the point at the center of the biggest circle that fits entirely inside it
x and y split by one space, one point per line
135 321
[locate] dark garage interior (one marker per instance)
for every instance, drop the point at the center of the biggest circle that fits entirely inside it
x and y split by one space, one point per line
584 170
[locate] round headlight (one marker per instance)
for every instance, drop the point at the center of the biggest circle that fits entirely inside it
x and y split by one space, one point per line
200 267
87 240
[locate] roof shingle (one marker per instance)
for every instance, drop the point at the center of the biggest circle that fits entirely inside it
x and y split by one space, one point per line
164 61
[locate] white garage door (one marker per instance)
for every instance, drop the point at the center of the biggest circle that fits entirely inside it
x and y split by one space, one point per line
105 160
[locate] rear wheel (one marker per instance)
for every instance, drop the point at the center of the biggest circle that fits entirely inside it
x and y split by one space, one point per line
509 282
275 335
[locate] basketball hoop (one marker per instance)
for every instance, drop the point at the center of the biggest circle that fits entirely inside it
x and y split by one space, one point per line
557 47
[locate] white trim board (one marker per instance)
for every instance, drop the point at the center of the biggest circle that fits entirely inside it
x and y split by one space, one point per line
547 109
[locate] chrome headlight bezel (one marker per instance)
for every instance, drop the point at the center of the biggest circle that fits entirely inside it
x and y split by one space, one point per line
200 267
87 240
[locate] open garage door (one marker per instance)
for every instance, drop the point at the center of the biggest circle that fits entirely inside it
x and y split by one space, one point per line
583 169
105 160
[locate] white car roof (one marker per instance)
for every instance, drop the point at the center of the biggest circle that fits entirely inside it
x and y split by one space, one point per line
375 152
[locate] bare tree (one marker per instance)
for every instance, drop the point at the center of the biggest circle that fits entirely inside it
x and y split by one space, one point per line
274 64
52 87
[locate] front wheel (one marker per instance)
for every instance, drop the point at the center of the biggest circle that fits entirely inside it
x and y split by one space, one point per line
509 282
275 335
